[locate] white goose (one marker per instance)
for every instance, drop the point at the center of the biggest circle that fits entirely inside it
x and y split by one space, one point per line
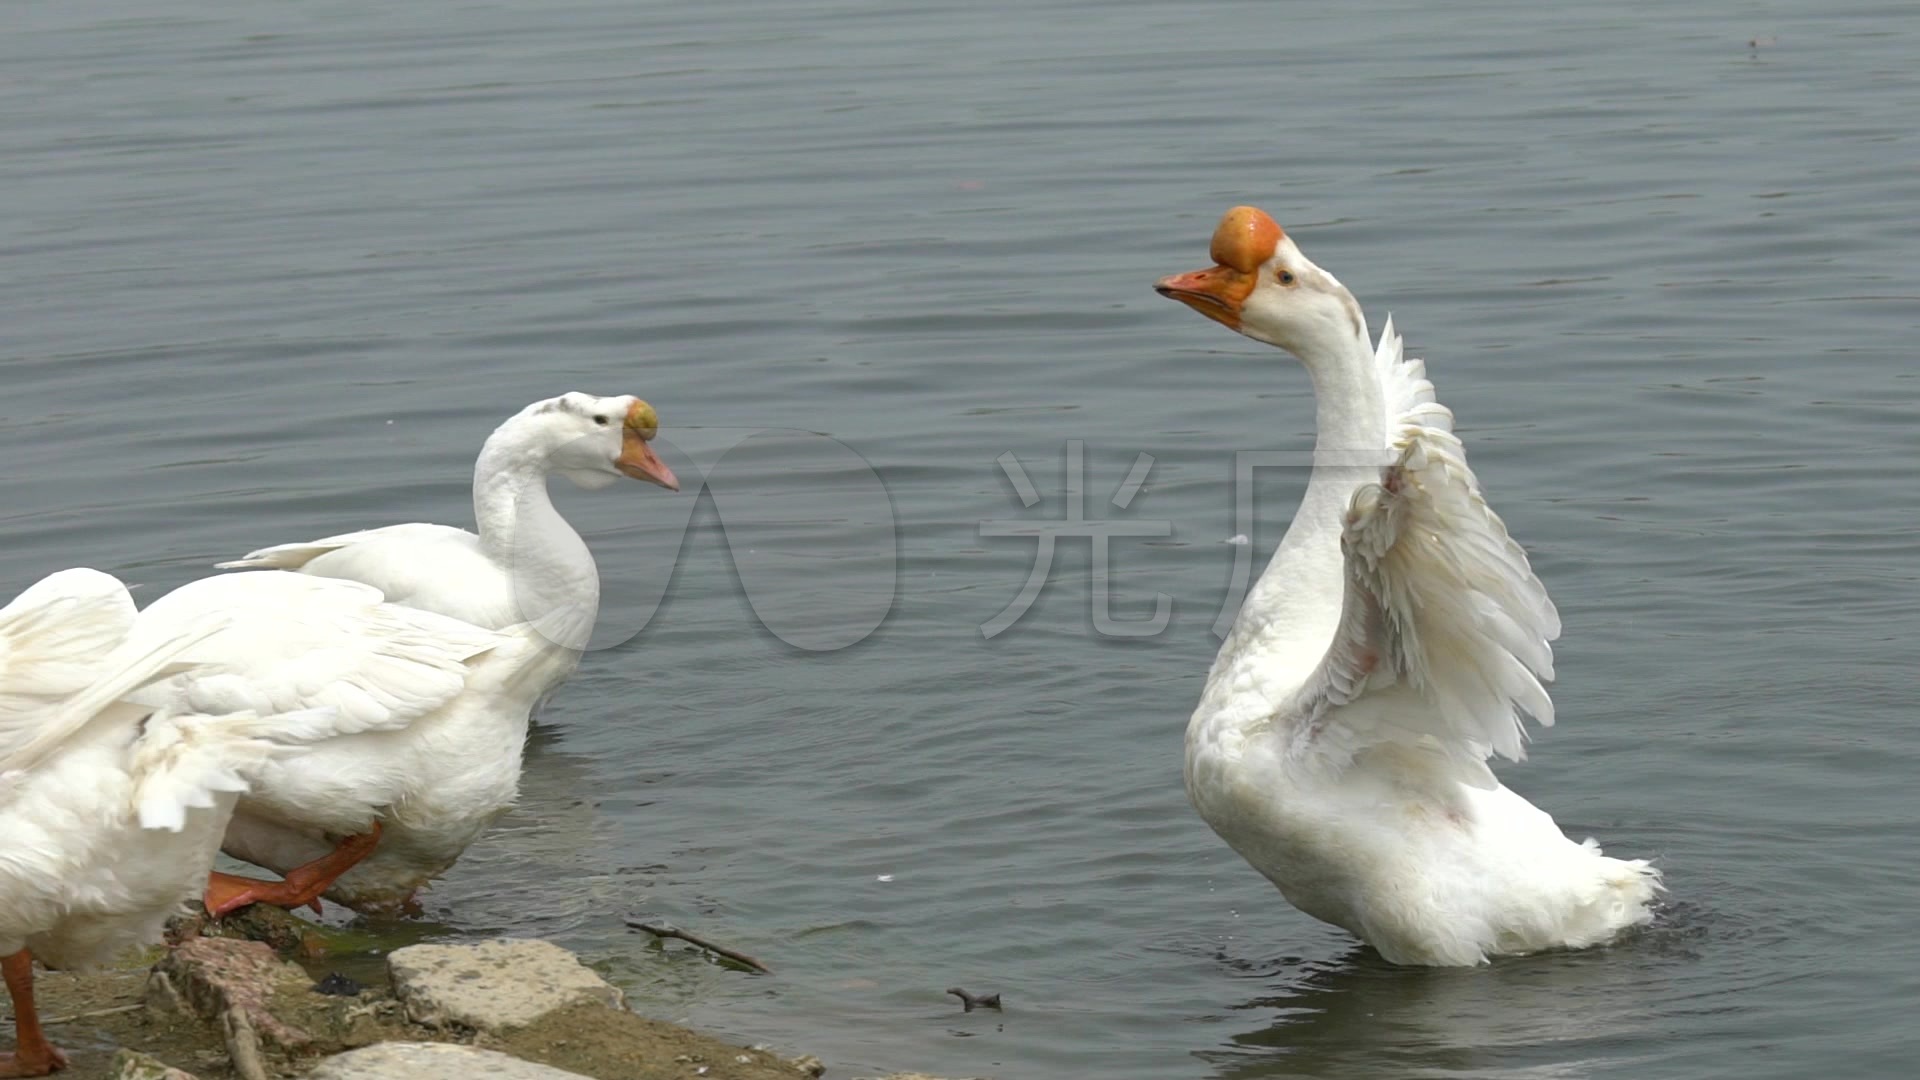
525 564
125 740
81 776
1391 647
426 751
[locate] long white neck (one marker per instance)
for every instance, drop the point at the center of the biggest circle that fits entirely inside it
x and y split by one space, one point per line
1294 608
554 581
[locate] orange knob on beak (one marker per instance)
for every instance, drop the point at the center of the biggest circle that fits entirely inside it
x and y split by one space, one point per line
1245 238
637 459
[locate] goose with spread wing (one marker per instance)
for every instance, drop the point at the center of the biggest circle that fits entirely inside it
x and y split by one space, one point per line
127 740
110 814
1394 644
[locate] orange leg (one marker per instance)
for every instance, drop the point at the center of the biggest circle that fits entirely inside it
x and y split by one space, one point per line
302 886
32 1054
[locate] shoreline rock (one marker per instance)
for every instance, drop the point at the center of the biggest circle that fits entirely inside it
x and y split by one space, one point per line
432 1061
495 986
223 1004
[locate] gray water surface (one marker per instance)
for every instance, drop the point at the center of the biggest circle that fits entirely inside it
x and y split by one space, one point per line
274 271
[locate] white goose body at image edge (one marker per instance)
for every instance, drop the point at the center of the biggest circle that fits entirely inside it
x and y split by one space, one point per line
117 778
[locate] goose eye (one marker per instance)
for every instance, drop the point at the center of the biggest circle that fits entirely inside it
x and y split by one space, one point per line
1286 277
601 420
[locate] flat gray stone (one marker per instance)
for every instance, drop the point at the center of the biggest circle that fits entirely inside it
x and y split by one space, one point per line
432 1061
493 985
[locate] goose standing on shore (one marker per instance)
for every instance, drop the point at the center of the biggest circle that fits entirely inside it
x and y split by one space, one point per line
126 739
110 816
1394 644
526 574
424 755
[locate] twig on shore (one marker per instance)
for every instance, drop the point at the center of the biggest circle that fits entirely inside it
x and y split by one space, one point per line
661 929
243 1045
115 1011
970 1002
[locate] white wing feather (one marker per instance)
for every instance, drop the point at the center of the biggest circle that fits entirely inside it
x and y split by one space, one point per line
54 641
181 763
67 653
296 555
300 643
432 567
219 675
1440 602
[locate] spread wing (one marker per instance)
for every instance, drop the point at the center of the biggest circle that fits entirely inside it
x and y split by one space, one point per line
65 655
302 658
1444 632
297 644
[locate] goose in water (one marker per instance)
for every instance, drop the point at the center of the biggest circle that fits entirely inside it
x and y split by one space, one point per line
524 564
1395 643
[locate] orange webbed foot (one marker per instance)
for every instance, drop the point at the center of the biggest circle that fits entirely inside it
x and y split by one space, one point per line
32 1054
33 1060
302 885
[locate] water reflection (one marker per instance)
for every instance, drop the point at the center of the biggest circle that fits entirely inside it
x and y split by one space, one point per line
1553 1017
506 882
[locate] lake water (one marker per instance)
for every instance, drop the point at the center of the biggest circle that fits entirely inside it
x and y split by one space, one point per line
274 271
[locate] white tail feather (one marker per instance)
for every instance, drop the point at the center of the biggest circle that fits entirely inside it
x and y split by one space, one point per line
183 763
120 673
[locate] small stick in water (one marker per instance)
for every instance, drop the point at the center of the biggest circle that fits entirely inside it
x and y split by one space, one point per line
668 930
969 1002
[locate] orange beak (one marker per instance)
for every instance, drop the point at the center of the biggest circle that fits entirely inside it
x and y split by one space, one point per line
637 459
1217 292
1245 238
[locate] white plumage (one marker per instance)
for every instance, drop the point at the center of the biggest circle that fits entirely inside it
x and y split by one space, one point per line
110 811
1438 598
1397 640
525 564
428 718
82 773
439 758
